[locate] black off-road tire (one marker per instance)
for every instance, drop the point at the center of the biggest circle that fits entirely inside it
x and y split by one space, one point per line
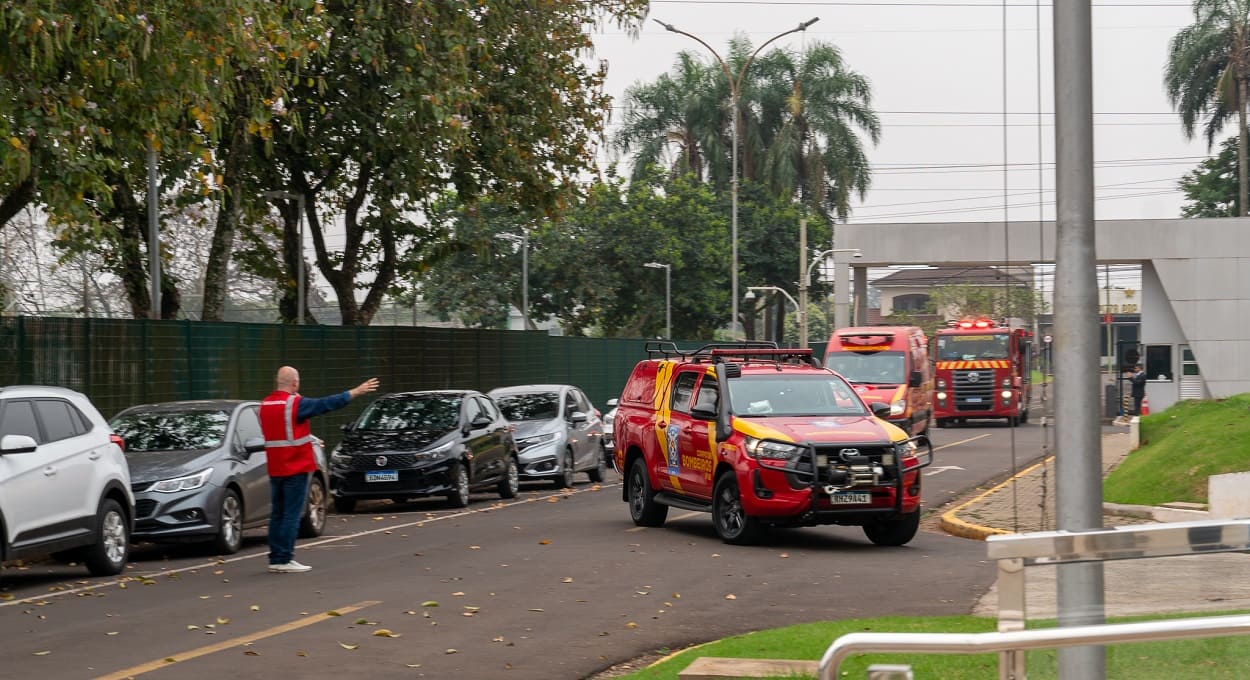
893 532
107 556
642 506
313 523
732 523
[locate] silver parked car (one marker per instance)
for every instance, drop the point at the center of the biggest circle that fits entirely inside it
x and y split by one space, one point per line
558 432
198 473
609 446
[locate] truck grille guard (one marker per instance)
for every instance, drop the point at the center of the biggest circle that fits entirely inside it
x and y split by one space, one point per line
872 466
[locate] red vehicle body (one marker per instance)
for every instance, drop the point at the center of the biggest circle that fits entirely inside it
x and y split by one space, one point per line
981 370
887 364
761 436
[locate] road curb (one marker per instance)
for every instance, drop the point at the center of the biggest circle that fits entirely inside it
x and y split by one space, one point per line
952 524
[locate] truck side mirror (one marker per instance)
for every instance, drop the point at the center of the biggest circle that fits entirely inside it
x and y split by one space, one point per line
914 379
880 409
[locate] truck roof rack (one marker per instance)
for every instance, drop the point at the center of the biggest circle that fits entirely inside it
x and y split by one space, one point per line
743 351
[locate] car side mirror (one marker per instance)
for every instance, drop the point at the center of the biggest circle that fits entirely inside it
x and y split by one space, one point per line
914 379
17 443
480 422
703 412
254 444
612 403
880 409
578 417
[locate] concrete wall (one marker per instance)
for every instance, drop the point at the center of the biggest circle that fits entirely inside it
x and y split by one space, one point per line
1196 278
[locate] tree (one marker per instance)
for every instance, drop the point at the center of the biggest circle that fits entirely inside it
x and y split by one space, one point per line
998 302
1207 75
675 121
1211 188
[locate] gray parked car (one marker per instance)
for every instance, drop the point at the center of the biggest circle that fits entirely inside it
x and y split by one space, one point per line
558 432
197 469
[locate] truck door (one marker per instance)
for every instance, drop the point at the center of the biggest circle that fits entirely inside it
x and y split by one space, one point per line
679 420
697 441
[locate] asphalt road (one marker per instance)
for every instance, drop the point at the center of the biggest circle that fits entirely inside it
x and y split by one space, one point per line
554 584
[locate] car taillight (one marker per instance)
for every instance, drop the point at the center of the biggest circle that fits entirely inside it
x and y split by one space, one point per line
116 439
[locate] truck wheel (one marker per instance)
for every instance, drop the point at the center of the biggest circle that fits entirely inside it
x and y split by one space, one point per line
642 506
941 423
733 524
893 531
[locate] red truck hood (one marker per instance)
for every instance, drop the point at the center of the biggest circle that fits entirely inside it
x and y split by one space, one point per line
815 429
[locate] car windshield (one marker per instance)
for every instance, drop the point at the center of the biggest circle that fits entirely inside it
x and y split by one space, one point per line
529 406
193 430
878 368
969 347
791 395
426 412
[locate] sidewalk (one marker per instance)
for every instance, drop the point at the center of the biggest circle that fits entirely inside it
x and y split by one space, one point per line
1026 502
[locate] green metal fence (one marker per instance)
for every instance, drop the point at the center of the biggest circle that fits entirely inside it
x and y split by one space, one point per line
120 363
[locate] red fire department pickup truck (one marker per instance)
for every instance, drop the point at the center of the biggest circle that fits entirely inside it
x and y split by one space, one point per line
761 436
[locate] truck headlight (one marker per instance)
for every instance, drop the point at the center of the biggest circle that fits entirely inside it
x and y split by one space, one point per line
1005 394
763 449
941 396
898 408
187 483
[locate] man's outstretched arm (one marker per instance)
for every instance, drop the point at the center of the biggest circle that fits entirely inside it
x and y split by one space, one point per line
315 406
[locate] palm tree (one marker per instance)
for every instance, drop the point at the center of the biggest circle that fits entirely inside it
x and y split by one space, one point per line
812 112
1207 72
673 122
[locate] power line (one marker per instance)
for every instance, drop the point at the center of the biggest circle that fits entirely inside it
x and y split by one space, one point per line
1011 206
874 3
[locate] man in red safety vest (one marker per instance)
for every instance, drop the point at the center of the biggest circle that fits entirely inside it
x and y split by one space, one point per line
284 416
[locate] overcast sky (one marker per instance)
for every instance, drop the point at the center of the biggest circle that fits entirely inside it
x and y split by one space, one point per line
936 70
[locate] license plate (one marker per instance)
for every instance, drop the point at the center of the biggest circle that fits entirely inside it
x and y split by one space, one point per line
382 476
974 400
851 498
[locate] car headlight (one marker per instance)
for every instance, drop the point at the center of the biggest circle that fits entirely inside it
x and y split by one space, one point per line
437 452
763 449
187 483
898 408
337 457
522 444
607 420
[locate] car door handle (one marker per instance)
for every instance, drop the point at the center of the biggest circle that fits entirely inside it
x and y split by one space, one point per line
49 471
94 455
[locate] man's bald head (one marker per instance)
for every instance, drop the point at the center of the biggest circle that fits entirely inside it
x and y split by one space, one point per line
288 379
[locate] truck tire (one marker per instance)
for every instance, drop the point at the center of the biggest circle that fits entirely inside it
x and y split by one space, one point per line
893 532
733 524
642 506
941 423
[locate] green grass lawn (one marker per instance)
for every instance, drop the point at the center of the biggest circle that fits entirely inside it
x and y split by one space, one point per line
1214 658
1181 447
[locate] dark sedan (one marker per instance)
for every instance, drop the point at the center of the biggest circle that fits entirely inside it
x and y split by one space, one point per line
198 472
413 444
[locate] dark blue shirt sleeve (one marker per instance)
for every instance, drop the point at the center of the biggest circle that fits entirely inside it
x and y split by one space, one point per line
312 406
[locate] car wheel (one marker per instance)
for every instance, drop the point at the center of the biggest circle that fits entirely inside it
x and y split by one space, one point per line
313 523
107 557
733 524
642 506
565 479
893 531
229 536
458 497
600 470
345 506
511 482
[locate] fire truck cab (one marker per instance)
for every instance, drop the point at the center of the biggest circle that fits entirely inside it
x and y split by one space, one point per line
982 369
889 365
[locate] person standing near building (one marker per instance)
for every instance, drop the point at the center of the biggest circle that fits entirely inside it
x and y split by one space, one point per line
1137 388
284 416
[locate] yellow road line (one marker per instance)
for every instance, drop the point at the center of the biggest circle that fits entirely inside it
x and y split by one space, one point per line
236 642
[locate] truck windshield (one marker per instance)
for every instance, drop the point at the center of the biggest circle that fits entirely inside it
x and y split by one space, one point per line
789 395
969 347
879 368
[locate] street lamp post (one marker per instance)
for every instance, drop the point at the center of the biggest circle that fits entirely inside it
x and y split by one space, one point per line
798 310
299 290
734 84
668 296
805 282
523 241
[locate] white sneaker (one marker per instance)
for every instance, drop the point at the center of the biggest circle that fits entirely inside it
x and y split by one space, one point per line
291 567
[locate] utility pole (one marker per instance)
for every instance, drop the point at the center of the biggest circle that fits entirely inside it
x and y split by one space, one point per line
154 235
803 282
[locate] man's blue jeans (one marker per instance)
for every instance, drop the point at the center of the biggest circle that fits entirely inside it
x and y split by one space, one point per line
287 495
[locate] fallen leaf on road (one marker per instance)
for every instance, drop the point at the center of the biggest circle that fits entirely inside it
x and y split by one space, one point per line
300 652
631 625
475 547
731 596
111 632
566 579
333 613
384 632
450 650
251 652
346 646
544 542
255 607
537 610
784 555
413 665
429 603
43 653
458 593
221 620
193 627
498 639
472 609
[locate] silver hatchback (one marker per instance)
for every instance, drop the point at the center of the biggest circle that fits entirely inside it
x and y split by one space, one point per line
558 432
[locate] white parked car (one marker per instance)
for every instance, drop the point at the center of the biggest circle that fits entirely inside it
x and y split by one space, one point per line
64 482
608 446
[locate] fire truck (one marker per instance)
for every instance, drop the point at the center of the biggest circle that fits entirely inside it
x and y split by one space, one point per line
981 370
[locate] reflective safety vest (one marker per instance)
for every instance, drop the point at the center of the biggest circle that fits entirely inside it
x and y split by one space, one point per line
288 444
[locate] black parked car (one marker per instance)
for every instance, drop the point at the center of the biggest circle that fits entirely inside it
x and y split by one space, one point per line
413 444
198 472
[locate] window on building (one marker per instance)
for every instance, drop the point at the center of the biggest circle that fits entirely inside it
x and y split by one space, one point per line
1159 362
914 302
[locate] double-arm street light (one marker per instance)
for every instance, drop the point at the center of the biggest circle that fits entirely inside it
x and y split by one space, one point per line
734 85
806 282
524 242
299 202
774 289
668 296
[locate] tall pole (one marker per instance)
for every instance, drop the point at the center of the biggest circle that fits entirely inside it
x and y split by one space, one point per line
299 291
525 279
154 236
804 273
734 87
668 301
1081 596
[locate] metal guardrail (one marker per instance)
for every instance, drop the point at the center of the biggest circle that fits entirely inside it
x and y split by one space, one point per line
1014 552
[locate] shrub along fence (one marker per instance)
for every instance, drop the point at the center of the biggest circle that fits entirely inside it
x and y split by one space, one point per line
120 363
